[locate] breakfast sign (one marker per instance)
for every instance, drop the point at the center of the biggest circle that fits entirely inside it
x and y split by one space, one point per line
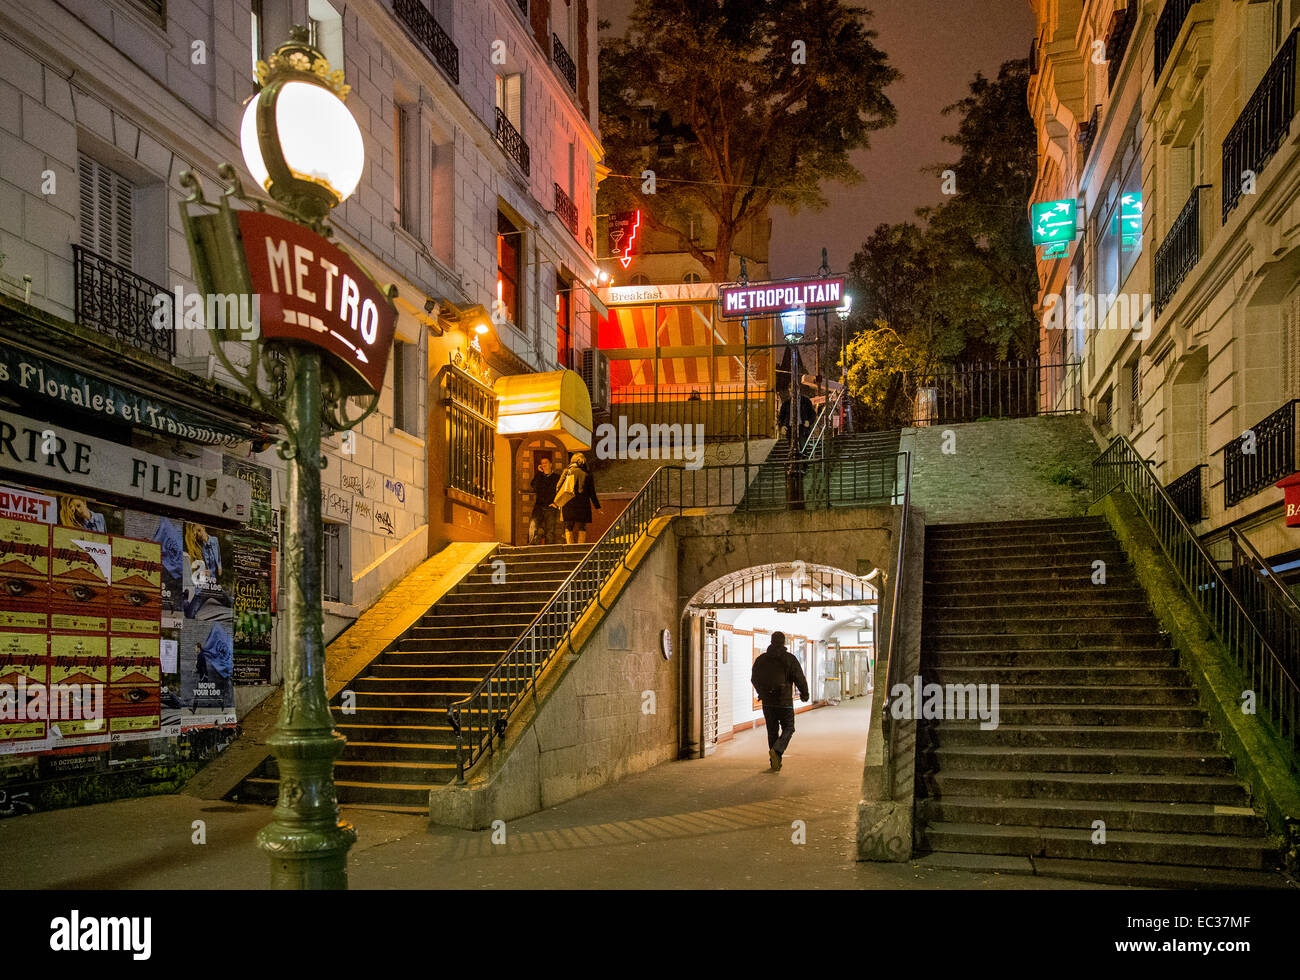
310 292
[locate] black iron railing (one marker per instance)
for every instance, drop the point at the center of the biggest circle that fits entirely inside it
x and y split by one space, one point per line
1253 642
1003 389
479 720
112 299
566 210
1262 125
893 656
1034 58
1088 132
1117 42
1276 615
1169 23
720 409
1260 456
1188 493
564 62
421 22
509 139
1180 251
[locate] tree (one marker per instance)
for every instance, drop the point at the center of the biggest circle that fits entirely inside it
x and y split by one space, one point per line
982 232
756 102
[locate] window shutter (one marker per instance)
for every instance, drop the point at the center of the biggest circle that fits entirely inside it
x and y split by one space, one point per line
1291 345
514 101
107 211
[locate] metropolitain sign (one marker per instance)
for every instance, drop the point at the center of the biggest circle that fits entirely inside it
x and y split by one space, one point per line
767 298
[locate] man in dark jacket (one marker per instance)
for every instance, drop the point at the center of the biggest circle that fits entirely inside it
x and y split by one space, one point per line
774 673
543 521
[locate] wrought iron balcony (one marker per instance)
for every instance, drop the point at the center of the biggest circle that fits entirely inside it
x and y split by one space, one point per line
1167 28
115 301
1180 251
420 22
1260 456
514 145
1262 125
523 6
1088 132
1188 493
1121 30
566 210
563 62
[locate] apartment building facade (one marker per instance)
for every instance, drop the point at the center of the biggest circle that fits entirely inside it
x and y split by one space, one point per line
1171 126
477 202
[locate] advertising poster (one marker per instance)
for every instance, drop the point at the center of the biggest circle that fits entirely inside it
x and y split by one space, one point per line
258 478
206 648
133 701
251 558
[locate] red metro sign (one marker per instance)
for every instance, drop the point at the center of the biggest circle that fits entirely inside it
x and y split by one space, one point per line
311 292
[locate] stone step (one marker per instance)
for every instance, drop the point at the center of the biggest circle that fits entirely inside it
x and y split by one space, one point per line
1194 818
422 772
449 645
1094 696
978 615
937 626
1115 873
966 546
470 663
1063 556
490 594
1153 656
432 752
412 734
454 680
1008 528
1078 640
1142 787
1006 758
1123 715
952 733
1035 602
447 693
1048 675
432 712
1026 577
484 627
1201 850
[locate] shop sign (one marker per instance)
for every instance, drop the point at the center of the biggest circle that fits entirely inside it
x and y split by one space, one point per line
1291 488
44 451
765 298
1054 221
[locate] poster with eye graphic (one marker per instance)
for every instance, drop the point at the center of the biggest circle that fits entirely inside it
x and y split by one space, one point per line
24 628
80 579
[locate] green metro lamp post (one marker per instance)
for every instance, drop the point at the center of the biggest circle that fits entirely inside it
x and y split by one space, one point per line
323 336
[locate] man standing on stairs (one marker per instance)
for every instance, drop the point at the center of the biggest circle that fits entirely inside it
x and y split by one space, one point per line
543 524
775 672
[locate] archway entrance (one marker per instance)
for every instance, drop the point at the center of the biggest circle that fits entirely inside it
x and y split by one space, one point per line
828 616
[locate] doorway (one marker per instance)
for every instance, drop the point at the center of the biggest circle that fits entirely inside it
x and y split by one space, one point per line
528 455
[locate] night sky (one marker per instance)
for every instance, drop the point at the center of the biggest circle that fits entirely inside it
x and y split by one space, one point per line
938 45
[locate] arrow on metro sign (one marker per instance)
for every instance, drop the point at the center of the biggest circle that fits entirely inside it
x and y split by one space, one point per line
1054 221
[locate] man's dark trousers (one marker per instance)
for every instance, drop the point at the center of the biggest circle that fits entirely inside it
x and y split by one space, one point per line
778 716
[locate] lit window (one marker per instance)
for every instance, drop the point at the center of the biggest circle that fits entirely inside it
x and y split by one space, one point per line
509 273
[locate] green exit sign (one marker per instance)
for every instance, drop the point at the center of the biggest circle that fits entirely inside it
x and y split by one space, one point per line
1053 221
1057 250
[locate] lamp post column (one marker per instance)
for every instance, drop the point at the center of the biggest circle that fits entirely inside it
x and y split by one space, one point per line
307 842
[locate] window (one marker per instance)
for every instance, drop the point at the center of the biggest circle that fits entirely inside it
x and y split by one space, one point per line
1135 396
471 420
510 99
563 322
691 277
257 35
1120 231
107 211
442 197
327 31
509 269
331 561
405 203
406 388
1291 345
640 279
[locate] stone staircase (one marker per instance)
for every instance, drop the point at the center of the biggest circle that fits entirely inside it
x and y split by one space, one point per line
850 478
1097 721
400 743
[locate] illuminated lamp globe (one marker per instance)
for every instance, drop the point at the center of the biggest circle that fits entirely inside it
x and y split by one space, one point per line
301 144
792 324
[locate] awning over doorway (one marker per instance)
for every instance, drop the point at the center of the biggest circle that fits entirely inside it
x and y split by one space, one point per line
556 403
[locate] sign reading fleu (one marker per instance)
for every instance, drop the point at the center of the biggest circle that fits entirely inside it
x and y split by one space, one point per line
765 298
311 292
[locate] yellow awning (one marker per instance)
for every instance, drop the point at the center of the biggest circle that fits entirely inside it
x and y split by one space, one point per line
555 404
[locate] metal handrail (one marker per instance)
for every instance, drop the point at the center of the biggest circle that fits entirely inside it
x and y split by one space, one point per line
829 407
891 658
1120 465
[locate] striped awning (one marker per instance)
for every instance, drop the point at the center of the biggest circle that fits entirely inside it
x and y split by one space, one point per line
556 403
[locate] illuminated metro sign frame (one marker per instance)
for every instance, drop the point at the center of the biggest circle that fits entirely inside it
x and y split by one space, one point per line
1054 221
778 296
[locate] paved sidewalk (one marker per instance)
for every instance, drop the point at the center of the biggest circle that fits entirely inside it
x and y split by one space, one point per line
721 822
